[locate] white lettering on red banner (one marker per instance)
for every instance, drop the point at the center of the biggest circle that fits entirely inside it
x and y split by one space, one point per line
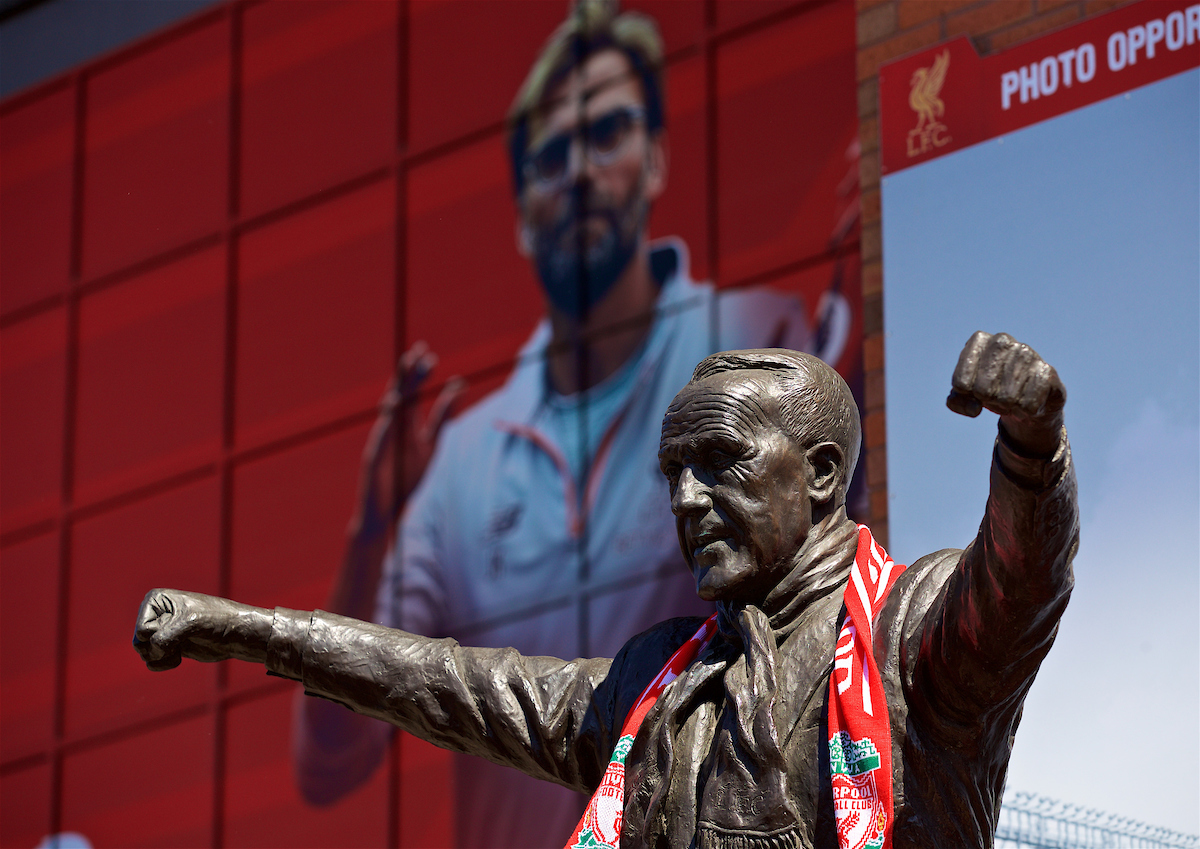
1123 49
953 89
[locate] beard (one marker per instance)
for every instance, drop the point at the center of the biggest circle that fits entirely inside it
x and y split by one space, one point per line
578 270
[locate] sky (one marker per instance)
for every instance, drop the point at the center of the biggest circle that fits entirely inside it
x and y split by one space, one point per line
1081 237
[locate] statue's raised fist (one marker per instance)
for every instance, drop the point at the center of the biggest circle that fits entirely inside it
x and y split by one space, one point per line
174 624
1010 379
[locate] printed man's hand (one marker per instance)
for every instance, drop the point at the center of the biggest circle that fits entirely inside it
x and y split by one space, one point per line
387 476
174 624
1010 379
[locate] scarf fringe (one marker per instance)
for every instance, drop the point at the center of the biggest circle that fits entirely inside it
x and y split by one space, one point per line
710 837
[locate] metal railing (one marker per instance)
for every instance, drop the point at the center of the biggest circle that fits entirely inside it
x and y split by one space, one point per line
1029 821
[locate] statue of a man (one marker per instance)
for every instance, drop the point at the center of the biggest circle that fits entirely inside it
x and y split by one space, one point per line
836 699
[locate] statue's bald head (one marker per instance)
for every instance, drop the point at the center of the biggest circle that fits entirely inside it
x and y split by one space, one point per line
814 403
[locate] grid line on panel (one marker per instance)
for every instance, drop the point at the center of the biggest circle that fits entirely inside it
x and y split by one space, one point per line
231 238
149 263
548 604
92 742
60 677
220 735
141 493
247 694
403 52
300 438
453 145
78 182
687 51
233 159
394 783
831 254
70 392
711 171
201 243
37 92
27 532
582 382
150 43
313 200
24 762
399 171
770 20
32 309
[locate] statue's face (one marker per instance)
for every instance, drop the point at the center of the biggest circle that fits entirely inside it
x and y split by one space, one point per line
739 485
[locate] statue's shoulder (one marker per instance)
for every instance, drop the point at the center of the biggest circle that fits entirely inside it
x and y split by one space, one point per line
919 592
919 587
934 566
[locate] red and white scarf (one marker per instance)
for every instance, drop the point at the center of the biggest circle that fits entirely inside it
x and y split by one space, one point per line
860 738
860 734
600 825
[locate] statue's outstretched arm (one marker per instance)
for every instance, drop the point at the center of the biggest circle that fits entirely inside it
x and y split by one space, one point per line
549 718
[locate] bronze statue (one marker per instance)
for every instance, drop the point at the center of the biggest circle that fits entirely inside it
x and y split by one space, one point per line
737 751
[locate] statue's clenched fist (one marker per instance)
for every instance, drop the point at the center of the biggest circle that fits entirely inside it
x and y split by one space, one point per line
1009 378
174 624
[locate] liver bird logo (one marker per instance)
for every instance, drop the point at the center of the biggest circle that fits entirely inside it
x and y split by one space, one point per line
926 85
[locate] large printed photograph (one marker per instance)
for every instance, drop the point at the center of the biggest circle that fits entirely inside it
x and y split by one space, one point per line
376 308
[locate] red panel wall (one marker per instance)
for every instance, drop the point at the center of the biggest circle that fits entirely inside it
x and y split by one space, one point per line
214 244
35 202
156 130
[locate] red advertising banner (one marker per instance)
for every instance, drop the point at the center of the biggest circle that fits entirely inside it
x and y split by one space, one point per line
216 243
948 97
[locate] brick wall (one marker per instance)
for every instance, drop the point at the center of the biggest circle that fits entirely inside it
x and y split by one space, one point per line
888 29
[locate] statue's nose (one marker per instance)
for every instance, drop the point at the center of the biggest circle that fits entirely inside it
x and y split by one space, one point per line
691 496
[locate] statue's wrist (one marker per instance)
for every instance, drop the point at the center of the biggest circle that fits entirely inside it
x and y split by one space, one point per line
1034 438
1032 470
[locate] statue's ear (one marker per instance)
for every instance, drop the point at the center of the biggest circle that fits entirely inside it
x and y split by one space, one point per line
829 471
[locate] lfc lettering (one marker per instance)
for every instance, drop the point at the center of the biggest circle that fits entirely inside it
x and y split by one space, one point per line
924 139
923 97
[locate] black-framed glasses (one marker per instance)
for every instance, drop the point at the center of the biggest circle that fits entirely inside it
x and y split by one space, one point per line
604 139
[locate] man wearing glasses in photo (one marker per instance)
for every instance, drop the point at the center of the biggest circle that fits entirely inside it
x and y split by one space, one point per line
538 519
